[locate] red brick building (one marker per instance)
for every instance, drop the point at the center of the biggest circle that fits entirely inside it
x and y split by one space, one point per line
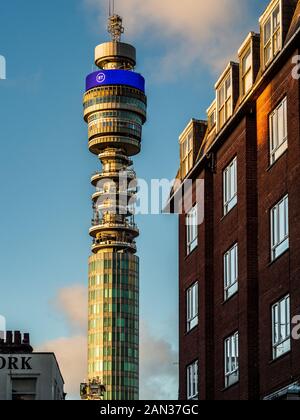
240 268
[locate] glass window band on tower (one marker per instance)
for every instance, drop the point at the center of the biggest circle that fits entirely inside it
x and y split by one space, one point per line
124 128
113 323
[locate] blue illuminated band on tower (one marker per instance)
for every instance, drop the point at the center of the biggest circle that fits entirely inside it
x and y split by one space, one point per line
115 77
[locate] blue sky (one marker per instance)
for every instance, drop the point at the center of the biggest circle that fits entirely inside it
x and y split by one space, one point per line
44 161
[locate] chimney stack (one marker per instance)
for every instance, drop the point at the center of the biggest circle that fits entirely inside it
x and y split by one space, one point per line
18 338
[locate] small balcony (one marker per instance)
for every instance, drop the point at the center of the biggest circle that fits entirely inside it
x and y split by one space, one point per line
128 174
112 154
103 227
122 197
99 245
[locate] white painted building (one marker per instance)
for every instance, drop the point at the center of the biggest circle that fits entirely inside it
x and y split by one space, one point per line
26 375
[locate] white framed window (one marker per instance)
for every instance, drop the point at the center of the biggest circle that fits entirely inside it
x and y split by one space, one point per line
192 307
192 229
272 35
231 272
232 360
23 389
187 154
192 381
281 327
230 186
278 131
225 103
246 71
280 228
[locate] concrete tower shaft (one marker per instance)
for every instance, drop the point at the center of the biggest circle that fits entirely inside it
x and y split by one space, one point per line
115 111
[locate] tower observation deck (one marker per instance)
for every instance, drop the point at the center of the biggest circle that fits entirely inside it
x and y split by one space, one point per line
115 111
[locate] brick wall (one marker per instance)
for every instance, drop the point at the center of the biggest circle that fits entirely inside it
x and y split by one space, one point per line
261 283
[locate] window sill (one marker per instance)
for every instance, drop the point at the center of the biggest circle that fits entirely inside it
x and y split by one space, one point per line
277 258
227 388
271 166
187 333
274 56
230 298
230 211
191 253
195 398
283 356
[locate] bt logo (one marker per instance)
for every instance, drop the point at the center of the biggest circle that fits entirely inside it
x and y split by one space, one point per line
100 77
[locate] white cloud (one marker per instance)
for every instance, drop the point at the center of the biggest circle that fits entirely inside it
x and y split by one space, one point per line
71 352
71 355
159 371
190 31
72 303
158 359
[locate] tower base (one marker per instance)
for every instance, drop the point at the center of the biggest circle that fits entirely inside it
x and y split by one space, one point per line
113 338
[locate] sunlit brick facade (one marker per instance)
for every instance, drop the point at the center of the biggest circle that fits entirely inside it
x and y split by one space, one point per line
236 325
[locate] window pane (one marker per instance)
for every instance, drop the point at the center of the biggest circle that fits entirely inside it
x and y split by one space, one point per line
222 116
276 324
212 119
190 142
228 88
281 327
232 269
280 117
24 385
192 229
288 317
233 179
278 131
247 82
231 272
274 131
283 320
282 221
228 109
221 96
286 208
231 360
247 61
184 150
274 227
192 381
192 307
276 41
267 31
23 389
226 271
268 53
228 360
224 104
285 117
280 228
230 186
276 19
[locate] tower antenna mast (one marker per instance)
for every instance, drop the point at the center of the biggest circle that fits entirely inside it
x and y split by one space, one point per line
111 7
115 23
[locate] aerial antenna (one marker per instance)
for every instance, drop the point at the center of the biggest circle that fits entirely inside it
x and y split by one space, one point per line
115 23
111 7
